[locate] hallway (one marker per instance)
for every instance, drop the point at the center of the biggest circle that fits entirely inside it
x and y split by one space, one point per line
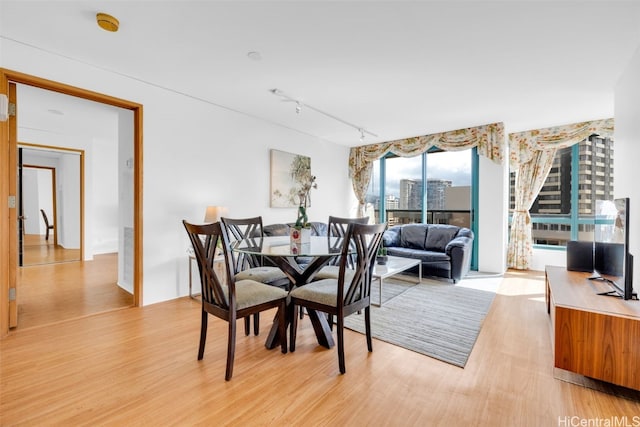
51 293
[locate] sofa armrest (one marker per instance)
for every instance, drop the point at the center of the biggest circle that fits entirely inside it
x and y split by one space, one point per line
459 250
391 237
458 242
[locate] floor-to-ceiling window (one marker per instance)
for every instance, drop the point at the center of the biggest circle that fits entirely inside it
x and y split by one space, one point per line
399 196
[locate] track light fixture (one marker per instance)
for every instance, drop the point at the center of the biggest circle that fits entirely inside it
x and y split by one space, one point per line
300 104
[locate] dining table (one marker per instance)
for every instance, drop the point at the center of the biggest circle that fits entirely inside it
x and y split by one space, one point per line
300 262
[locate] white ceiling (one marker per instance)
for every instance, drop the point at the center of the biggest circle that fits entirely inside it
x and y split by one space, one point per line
397 69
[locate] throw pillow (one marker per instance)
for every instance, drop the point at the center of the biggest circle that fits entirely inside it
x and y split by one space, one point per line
439 236
413 235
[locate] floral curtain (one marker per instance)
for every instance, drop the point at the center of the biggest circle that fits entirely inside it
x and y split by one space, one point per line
531 156
488 138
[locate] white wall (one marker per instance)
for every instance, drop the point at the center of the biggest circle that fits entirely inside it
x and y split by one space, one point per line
33 222
67 171
198 154
627 151
97 185
492 215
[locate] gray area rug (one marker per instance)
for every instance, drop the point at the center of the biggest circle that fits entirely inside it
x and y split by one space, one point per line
434 318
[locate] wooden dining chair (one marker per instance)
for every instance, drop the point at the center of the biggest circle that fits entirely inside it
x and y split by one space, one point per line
337 227
239 298
46 224
248 266
343 296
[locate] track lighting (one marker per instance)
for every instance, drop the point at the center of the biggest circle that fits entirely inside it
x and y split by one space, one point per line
300 104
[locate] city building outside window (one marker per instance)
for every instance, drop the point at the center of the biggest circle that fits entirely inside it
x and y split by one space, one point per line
447 193
564 209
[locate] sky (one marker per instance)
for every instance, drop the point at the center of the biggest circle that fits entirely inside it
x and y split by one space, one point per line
451 165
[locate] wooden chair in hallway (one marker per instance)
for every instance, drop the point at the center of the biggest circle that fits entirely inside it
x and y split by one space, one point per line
46 223
235 300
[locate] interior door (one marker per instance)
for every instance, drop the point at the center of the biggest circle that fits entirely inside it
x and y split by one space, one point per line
21 216
13 216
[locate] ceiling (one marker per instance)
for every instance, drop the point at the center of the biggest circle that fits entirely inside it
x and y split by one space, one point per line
396 69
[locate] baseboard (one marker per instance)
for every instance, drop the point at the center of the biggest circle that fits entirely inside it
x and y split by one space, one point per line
602 386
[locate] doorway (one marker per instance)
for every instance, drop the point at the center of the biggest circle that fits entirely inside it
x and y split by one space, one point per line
134 228
52 224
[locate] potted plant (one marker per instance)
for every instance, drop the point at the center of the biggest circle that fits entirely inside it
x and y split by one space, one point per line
382 257
300 233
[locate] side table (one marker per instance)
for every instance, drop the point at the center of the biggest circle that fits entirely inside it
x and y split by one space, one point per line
192 258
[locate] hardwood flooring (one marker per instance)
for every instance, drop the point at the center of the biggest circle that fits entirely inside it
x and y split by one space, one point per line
59 291
138 367
37 251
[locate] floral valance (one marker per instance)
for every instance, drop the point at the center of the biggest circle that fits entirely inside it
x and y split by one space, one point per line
523 145
488 138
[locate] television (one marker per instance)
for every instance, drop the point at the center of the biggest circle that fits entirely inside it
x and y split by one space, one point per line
612 262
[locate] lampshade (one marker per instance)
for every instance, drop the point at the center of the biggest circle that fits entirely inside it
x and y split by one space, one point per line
214 213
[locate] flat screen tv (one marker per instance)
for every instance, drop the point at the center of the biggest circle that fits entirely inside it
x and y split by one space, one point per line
612 261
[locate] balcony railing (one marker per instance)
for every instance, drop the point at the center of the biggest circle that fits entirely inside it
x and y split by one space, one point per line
461 218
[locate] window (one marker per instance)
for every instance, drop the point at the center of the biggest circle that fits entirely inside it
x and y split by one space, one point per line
564 209
404 199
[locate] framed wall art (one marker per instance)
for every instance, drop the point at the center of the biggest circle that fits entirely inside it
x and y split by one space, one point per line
288 172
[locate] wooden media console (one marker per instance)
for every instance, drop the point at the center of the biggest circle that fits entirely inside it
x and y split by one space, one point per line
593 335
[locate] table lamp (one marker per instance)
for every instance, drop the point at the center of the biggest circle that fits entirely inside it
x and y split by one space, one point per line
214 213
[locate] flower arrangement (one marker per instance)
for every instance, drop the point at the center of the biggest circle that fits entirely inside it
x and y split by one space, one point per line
304 197
301 174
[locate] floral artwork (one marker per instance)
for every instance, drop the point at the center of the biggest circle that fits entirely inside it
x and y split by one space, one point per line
289 174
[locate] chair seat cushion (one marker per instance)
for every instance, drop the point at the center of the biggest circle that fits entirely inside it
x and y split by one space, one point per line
322 292
332 272
250 293
267 275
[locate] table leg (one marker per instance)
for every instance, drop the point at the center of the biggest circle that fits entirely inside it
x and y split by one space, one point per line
318 321
273 339
321 328
298 275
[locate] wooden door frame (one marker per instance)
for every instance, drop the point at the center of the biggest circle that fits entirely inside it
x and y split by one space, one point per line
81 188
8 187
52 171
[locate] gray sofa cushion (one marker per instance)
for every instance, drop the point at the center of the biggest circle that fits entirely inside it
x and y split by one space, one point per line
413 236
391 237
424 256
439 236
276 230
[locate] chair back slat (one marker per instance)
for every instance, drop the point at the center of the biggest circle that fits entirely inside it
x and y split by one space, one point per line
364 240
204 239
250 230
338 228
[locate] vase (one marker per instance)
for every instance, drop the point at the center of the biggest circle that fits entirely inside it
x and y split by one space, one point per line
300 240
300 235
382 259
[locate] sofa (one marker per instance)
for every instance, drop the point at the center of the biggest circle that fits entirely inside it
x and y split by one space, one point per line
317 229
445 250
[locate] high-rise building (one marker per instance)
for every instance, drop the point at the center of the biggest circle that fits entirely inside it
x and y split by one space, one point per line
595 182
436 193
392 202
410 194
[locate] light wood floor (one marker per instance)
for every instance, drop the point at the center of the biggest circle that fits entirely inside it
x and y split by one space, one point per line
138 367
38 250
58 291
